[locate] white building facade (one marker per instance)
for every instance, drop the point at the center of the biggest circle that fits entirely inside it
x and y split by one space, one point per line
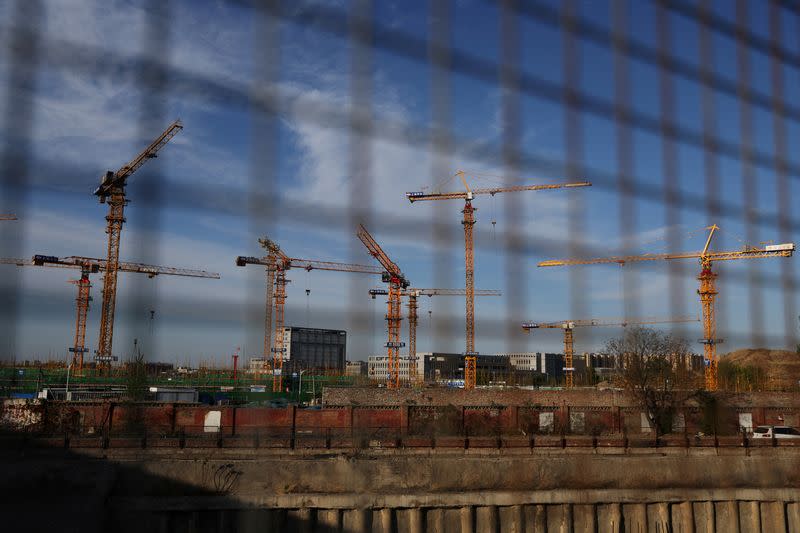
378 368
259 364
525 361
287 343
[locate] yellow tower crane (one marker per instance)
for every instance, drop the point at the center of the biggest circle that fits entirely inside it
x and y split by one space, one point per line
707 289
276 264
397 283
470 355
569 325
112 190
87 266
413 294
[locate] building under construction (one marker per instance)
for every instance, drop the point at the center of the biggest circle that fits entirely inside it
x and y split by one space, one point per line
322 351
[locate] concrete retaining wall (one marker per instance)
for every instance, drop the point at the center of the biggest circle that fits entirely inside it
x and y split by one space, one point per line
403 492
345 396
702 516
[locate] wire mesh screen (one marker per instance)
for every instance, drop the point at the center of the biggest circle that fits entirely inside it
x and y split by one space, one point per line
304 119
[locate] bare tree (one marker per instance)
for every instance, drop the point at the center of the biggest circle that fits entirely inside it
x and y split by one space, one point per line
136 376
654 371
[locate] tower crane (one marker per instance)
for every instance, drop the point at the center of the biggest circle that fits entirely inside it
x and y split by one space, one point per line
112 190
87 266
270 264
276 264
569 325
470 355
397 282
707 290
413 294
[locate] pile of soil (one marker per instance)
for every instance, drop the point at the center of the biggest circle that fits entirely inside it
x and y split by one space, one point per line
781 367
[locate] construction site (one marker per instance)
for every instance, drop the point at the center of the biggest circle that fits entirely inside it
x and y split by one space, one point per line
630 187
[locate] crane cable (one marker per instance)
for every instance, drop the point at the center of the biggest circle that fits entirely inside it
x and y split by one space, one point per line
494 225
308 300
372 328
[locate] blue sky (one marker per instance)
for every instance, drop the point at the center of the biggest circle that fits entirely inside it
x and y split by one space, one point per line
92 113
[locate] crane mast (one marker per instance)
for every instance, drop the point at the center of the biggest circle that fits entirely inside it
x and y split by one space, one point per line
270 272
112 191
412 337
707 290
470 355
413 294
397 282
279 349
468 221
282 263
276 264
82 301
708 293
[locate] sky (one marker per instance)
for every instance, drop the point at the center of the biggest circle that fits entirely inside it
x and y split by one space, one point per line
297 175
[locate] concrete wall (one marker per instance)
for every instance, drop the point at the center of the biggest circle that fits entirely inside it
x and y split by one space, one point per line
403 491
345 396
725 516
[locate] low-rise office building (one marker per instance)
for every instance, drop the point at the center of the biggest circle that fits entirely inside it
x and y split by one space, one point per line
523 362
378 368
356 368
450 366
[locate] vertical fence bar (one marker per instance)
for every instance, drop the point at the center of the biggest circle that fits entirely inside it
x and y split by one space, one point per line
755 304
574 157
153 82
670 170
791 334
443 234
711 148
19 116
361 125
627 218
516 264
263 212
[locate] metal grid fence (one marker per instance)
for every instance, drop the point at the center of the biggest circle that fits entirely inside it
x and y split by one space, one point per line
762 61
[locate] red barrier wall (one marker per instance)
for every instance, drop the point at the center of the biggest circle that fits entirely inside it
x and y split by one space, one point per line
335 420
169 419
364 417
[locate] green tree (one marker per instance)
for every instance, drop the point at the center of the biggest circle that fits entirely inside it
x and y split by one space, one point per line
740 378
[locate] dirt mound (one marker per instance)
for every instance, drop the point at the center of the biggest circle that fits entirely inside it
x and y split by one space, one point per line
781 367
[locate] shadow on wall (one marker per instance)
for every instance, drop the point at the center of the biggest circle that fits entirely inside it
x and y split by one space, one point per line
56 489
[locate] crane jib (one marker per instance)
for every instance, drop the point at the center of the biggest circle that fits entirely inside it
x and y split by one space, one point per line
117 179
